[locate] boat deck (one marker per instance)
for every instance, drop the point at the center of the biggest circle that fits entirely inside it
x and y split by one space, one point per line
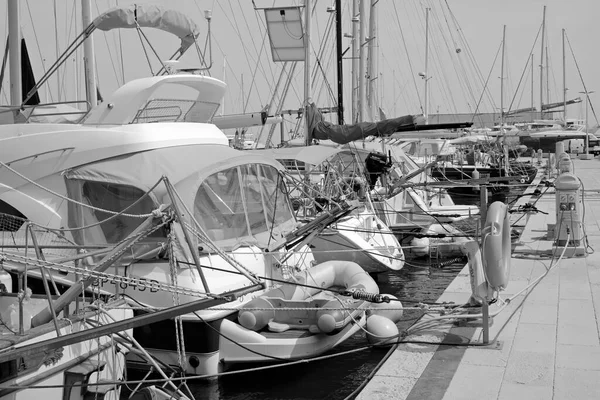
545 343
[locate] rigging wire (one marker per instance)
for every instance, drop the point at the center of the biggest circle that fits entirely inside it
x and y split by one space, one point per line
56 50
237 31
407 54
112 62
259 57
469 52
582 81
525 68
37 42
486 82
438 63
121 52
441 68
68 34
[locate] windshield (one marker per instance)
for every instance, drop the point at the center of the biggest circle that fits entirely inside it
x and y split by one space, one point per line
243 202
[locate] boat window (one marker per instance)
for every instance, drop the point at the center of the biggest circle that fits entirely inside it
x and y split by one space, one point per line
111 197
254 198
11 219
242 201
293 165
219 208
276 199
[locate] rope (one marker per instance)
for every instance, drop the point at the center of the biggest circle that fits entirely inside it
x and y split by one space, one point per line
178 325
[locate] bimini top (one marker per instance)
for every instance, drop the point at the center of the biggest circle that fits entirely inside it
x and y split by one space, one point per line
150 16
186 167
168 98
235 196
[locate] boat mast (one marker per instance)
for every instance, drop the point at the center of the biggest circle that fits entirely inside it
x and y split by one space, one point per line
355 17
14 48
547 78
224 80
532 79
373 66
504 146
89 60
542 66
502 84
340 76
426 77
361 62
564 78
307 94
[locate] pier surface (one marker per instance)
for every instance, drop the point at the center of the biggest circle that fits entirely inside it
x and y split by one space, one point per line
544 343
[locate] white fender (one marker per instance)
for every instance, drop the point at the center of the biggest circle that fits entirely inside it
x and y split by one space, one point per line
479 286
496 246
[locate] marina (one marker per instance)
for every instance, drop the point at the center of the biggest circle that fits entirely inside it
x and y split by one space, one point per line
187 234
543 344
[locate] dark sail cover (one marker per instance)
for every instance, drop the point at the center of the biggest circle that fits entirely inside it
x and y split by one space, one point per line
27 77
343 134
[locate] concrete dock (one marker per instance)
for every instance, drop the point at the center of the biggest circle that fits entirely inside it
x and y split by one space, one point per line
544 343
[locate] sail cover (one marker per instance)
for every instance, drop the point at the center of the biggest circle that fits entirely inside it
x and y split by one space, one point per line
343 134
150 16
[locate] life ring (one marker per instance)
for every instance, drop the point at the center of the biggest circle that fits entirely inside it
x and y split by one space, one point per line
496 247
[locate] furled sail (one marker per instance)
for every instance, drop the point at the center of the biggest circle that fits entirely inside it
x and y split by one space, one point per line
150 16
343 134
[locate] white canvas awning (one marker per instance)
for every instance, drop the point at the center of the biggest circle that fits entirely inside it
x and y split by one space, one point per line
185 166
150 16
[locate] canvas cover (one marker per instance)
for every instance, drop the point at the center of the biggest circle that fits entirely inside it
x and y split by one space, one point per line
209 179
144 169
150 16
343 134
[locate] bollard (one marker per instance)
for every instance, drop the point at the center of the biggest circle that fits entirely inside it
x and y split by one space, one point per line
564 163
559 148
475 176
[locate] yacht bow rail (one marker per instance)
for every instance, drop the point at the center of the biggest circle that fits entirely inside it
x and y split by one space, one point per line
28 112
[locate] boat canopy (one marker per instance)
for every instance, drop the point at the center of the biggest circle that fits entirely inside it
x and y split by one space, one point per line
150 16
235 196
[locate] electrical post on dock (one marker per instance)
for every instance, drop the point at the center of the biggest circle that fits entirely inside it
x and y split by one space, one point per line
569 217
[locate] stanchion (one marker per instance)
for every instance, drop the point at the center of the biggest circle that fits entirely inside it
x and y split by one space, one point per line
485 304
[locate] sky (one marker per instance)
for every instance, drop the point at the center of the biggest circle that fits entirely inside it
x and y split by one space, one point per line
464 35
